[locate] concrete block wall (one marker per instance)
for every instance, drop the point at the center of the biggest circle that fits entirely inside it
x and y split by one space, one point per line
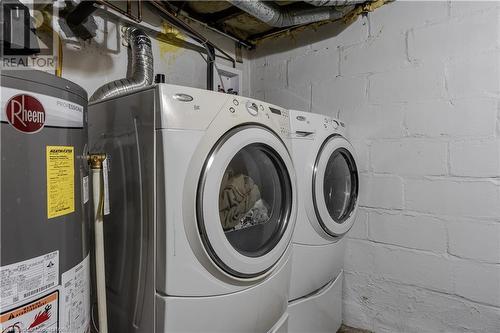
418 85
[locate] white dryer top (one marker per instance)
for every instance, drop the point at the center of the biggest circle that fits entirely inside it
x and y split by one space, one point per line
308 125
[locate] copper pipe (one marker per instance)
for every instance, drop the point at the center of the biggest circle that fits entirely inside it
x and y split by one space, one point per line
59 64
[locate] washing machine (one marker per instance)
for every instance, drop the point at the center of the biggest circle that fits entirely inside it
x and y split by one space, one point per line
202 204
328 187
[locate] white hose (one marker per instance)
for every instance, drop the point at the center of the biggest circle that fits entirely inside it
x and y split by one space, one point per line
98 195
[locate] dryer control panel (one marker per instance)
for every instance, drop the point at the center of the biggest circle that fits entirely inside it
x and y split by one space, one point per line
330 123
306 124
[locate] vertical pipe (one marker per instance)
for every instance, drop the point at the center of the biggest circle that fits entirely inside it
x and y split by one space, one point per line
210 67
59 63
98 196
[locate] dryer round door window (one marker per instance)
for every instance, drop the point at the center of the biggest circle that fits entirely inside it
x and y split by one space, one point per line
335 186
246 201
340 185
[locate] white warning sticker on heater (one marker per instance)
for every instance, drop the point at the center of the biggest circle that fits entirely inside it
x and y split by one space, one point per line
57 112
28 278
39 315
75 298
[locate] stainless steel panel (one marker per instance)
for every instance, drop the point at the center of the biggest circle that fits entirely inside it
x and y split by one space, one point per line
124 129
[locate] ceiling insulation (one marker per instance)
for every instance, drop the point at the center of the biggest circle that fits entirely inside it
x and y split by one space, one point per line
237 22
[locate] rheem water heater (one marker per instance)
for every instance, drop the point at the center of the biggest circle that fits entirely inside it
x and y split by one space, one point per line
44 257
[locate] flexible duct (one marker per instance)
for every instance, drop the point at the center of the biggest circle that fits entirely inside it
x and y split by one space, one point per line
141 67
280 17
321 3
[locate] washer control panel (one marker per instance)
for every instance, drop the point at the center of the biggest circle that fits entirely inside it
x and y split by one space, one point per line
283 120
252 108
257 109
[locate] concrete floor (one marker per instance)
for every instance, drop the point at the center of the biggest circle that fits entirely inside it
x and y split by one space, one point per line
348 329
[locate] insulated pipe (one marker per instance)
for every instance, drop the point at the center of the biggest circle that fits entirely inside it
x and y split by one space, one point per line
281 17
141 67
98 196
321 3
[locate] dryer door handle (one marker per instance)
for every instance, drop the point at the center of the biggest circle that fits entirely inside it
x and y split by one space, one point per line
303 133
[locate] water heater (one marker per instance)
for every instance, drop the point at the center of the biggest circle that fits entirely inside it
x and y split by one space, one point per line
44 226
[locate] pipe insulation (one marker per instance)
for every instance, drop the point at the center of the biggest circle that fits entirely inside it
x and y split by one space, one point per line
141 67
98 196
282 17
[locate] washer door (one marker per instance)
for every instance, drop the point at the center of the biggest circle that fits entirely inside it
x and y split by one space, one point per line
246 201
335 186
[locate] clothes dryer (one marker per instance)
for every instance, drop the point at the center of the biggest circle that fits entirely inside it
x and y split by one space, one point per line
328 187
203 204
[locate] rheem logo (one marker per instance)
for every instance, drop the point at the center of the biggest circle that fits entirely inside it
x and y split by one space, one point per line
25 113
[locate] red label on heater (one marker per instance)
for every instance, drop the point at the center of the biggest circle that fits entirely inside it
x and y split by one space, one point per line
25 113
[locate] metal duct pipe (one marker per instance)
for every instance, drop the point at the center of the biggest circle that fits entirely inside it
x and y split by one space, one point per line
321 3
281 17
141 67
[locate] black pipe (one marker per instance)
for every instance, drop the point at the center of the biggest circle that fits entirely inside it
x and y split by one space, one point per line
83 10
210 67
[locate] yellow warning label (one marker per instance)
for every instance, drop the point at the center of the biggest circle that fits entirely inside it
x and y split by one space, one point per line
60 180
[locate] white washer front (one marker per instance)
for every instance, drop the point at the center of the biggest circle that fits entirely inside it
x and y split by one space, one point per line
246 240
230 209
205 202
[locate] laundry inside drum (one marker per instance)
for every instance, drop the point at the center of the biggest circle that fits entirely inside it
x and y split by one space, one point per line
253 200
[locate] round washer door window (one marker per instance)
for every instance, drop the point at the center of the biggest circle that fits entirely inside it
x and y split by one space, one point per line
246 201
254 199
335 186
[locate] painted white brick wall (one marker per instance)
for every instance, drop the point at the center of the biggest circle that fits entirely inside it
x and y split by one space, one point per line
484 235
383 191
414 156
411 84
478 158
472 198
411 231
478 281
376 121
467 118
418 84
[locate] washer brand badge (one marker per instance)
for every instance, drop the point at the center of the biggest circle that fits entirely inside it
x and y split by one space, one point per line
25 113
183 97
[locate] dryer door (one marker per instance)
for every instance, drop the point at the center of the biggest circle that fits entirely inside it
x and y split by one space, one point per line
246 201
335 186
